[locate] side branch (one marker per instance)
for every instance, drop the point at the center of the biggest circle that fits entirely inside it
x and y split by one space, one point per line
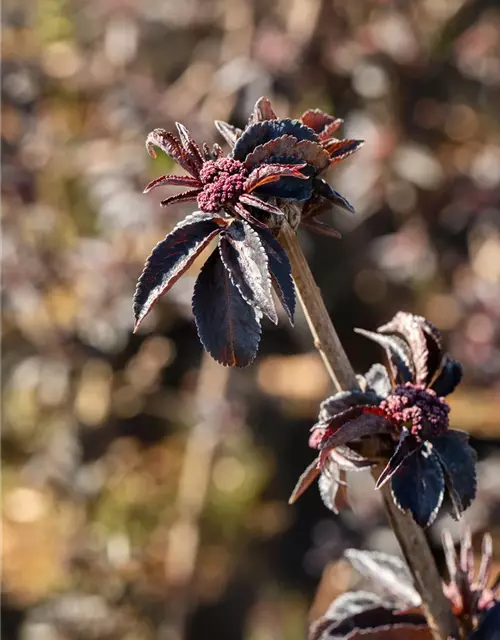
410 536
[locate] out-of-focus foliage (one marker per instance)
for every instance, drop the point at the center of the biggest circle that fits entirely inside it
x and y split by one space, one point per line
104 536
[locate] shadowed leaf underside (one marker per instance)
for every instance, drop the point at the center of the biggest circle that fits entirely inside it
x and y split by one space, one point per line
228 327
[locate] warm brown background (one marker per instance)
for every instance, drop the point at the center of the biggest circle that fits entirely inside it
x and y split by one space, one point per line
122 518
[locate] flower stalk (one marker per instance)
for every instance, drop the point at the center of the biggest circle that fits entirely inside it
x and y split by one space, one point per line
410 536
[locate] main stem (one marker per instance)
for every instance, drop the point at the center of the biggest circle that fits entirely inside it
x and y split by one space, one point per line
410 536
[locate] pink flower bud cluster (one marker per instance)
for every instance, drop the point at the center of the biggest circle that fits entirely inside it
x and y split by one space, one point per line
223 182
418 409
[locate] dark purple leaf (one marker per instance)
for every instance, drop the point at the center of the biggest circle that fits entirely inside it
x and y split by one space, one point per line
459 463
489 625
192 149
263 132
280 270
342 401
352 603
228 327
397 351
407 326
449 378
407 446
246 261
287 149
389 575
172 146
340 149
361 614
168 180
305 480
171 257
320 227
252 201
246 215
324 190
272 151
267 173
351 425
262 111
397 631
228 132
185 196
418 487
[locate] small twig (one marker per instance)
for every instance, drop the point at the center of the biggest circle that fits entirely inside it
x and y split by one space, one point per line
410 536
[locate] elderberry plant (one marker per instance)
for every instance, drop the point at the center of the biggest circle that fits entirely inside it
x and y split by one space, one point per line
243 198
389 607
404 405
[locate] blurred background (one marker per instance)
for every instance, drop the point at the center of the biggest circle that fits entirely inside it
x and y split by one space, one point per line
145 487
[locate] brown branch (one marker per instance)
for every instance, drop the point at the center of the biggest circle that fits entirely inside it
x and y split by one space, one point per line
410 536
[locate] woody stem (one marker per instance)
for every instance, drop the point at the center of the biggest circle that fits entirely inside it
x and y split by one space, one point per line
410 536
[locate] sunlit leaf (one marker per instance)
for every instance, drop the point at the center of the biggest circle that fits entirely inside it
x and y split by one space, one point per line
185 196
317 120
378 379
351 425
171 145
330 129
228 327
305 480
171 257
397 351
332 491
388 573
263 132
169 180
340 149
262 111
190 146
407 326
246 261
267 173
343 400
253 201
359 613
280 270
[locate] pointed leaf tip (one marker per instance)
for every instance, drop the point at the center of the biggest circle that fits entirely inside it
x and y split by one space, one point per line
171 258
